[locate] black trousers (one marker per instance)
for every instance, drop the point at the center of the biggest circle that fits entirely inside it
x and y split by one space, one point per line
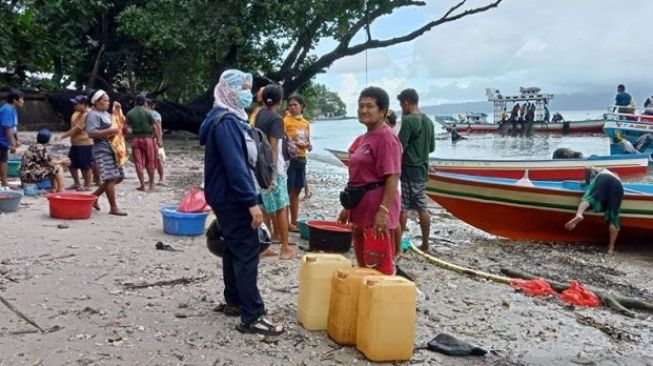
240 263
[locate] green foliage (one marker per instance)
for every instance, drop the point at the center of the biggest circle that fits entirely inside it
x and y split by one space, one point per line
44 36
177 48
321 102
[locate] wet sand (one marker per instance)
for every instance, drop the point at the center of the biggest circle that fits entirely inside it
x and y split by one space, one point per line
74 283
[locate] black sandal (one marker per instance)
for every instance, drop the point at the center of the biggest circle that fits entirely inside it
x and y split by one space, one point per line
261 326
228 310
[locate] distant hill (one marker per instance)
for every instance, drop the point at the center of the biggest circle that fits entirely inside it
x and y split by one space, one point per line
562 102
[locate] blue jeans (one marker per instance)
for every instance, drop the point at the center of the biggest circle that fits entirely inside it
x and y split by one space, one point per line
240 263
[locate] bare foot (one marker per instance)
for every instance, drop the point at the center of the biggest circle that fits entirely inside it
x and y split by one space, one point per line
269 253
141 188
611 251
96 205
286 254
425 249
571 224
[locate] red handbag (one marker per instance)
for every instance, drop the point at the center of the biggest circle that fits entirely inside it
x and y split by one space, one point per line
377 251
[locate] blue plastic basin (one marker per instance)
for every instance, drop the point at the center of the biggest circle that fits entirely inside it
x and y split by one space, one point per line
9 201
182 223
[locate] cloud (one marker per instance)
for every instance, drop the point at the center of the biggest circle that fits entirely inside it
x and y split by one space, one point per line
559 45
348 90
359 63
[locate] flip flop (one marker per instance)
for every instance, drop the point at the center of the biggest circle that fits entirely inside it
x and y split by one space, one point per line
261 326
293 229
118 213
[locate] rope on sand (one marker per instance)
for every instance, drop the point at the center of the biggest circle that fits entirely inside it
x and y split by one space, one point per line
460 269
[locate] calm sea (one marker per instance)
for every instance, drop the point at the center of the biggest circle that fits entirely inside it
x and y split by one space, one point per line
339 134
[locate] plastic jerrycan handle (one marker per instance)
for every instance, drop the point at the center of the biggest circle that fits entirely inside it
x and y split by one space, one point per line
371 281
310 259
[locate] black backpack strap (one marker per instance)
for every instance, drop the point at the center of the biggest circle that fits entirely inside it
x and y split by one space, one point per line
216 120
219 118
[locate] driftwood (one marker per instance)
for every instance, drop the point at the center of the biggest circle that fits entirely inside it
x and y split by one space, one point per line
20 315
64 256
21 332
41 258
177 281
619 303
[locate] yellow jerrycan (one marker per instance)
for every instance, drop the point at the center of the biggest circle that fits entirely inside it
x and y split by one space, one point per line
315 288
343 309
386 318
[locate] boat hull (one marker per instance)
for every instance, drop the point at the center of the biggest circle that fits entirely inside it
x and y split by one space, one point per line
589 126
547 169
627 129
536 213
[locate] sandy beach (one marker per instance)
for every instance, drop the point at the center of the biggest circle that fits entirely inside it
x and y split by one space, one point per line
90 285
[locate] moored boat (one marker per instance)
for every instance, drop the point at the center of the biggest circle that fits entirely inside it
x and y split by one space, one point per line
541 118
503 208
587 126
626 165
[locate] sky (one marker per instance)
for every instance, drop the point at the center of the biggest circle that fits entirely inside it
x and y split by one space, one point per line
561 46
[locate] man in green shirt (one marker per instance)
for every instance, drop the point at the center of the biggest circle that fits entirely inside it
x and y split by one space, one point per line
418 140
144 147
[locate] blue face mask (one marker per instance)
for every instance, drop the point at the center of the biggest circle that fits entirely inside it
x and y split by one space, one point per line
245 98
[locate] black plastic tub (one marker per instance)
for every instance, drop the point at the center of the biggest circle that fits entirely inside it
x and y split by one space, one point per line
328 236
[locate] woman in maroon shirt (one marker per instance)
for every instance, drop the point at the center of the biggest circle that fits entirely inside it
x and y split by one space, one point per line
375 163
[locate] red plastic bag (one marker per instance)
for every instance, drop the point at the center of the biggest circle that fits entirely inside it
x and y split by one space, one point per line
536 287
193 202
579 295
374 250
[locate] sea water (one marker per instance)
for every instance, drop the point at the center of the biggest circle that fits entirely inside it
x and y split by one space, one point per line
339 134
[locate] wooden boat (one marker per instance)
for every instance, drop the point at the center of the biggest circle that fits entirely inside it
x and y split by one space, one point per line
504 103
627 165
630 130
587 126
500 207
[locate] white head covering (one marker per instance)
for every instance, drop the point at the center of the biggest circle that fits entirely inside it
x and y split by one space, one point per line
227 90
97 95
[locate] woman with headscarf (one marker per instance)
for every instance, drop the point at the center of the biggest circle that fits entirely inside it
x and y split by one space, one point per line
232 192
99 127
37 166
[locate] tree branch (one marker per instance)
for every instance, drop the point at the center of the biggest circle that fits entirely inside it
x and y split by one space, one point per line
303 43
343 49
370 44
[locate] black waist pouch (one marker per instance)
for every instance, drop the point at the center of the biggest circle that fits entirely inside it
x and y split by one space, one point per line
350 197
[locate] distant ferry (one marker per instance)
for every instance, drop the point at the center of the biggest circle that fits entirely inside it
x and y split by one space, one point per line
477 122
